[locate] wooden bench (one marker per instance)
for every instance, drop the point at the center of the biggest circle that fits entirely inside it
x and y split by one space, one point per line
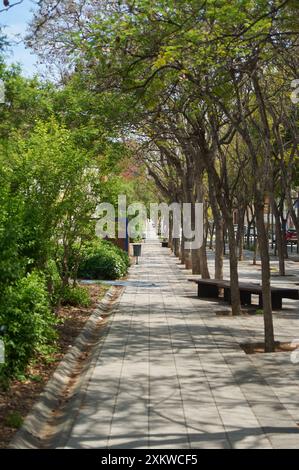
210 288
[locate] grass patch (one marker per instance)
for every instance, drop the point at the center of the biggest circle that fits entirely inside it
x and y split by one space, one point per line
14 420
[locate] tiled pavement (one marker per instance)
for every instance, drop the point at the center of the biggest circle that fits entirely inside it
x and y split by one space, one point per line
171 374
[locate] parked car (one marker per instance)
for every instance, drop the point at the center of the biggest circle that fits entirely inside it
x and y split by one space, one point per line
291 235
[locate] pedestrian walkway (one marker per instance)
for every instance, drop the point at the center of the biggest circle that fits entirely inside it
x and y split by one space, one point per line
171 374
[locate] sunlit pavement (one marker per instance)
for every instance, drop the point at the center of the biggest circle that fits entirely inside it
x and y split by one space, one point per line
171 374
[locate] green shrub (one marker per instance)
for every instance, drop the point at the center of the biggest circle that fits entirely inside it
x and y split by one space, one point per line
75 296
259 311
101 259
14 420
29 323
53 281
124 256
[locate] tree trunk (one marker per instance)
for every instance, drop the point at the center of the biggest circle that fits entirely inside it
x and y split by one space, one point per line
65 274
188 259
284 231
240 232
241 236
248 235
195 255
211 236
219 250
279 238
219 240
233 266
203 249
170 230
204 261
266 287
250 223
241 245
176 246
255 247
292 211
224 239
182 251
196 261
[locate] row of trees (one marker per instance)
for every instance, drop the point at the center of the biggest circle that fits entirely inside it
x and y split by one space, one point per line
205 88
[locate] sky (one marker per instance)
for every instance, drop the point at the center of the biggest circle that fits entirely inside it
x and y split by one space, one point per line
14 22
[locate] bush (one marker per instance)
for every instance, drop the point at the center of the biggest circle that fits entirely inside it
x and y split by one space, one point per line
29 323
75 296
53 281
124 256
14 420
101 259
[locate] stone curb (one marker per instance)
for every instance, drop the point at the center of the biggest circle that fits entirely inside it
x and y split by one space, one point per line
32 433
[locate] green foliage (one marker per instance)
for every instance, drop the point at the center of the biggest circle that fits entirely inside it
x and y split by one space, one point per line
11 265
59 188
14 419
53 280
75 296
35 378
29 322
259 311
27 100
101 259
